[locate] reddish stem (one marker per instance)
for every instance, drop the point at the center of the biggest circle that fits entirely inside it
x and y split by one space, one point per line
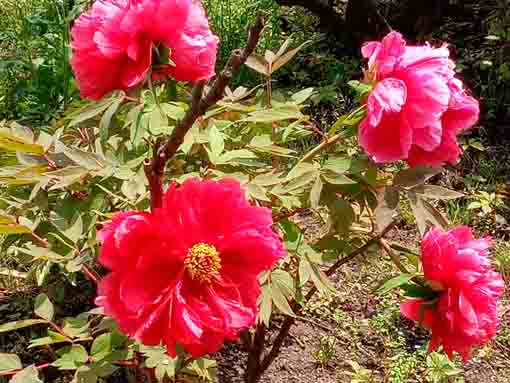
13 372
90 274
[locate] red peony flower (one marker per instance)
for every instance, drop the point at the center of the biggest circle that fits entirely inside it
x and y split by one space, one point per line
188 273
417 107
113 43
464 315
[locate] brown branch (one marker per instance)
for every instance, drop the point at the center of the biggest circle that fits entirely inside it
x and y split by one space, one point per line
14 372
165 149
289 321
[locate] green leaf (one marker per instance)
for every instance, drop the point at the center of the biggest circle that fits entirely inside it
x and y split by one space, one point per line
11 326
302 95
315 193
43 307
361 88
342 215
301 169
205 369
434 215
9 362
286 57
52 338
393 283
412 177
298 183
265 304
75 231
412 290
10 142
71 357
436 192
335 178
84 374
258 64
319 279
27 375
338 165
8 225
216 142
419 212
92 110
386 207
106 119
87 160
275 114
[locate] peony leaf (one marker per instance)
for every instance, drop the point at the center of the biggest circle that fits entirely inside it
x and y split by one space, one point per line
92 110
342 215
27 375
275 114
280 300
43 307
258 64
286 57
409 178
265 304
419 212
302 95
393 283
436 192
315 193
106 119
386 207
11 326
71 357
9 362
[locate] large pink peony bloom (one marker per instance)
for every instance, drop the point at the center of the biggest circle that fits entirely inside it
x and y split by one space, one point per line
417 107
465 313
188 273
114 42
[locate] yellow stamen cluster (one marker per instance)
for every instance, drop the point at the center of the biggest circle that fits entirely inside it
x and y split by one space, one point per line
203 262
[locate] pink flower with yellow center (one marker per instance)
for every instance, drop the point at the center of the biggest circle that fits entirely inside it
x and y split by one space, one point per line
188 272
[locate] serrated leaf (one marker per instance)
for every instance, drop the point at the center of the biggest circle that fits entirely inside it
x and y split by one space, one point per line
11 326
393 283
412 177
436 192
315 193
9 362
27 375
43 307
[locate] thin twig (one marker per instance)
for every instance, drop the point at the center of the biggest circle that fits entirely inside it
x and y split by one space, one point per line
14 372
90 274
166 148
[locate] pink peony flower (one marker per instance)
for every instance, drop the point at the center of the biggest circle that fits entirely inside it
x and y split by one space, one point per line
417 107
113 43
188 273
465 313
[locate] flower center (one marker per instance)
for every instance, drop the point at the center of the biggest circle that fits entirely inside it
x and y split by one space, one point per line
203 262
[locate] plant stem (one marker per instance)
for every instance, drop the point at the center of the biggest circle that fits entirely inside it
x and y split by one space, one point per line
254 357
166 148
13 372
90 274
296 307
